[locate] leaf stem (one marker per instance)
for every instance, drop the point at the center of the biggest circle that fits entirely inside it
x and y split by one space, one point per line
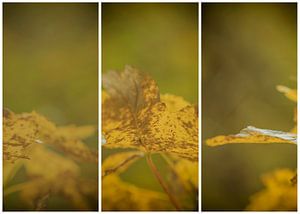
112 170
161 181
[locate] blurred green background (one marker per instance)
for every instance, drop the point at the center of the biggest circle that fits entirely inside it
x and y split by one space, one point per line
160 39
51 66
247 49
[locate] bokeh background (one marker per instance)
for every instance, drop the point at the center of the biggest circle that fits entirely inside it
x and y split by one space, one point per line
247 49
50 61
160 39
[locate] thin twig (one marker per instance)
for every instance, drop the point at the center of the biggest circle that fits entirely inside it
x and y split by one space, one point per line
112 170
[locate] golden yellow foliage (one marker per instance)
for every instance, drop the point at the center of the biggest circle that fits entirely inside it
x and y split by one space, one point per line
52 174
118 163
289 93
73 132
174 103
187 171
21 132
118 195
133 116
254 135
32 141
279 194
44 161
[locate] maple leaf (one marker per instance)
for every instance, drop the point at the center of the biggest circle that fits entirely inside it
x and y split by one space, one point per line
123 196
24 131
279 194
27 139
254 135
134 116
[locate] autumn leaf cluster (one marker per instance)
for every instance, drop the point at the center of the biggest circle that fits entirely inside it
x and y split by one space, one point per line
51 157
136 116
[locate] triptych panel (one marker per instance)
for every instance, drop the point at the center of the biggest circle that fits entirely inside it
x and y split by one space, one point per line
149 106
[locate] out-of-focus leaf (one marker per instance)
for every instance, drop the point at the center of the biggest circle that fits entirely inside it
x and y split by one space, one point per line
187 171
73 132
118 195
289 93
21 132
49 165
52 174
279 194
254 135
183 176
118 163
133 116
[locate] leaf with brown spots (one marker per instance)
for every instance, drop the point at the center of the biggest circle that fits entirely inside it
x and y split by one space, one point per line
254 135
134 116
22 132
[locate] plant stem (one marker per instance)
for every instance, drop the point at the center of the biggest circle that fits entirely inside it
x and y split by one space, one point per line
161 181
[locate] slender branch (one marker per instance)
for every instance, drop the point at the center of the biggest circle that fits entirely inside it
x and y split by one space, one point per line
162 182
112 170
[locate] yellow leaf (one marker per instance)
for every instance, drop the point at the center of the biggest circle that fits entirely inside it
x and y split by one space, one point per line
52 174
173 103
73 132
133 116
279 194
21 132
118 163
254 135
118 195
289 93
187 171
49 165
